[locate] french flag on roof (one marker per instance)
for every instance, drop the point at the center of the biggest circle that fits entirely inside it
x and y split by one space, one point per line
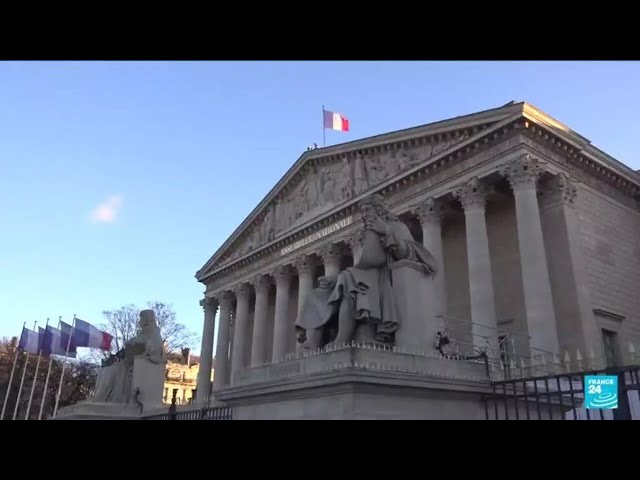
335 121
86 335
29 341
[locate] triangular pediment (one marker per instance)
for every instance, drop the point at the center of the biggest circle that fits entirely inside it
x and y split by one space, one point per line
324 178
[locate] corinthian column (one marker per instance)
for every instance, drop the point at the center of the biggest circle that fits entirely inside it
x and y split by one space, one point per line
210 306
240 334
221 371
332 257
282 325
523 174
472 196
261 284
430 215
305 266
577 328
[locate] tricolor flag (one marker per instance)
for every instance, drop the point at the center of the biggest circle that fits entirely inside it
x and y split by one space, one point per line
29 341
54 342
335 121
86 335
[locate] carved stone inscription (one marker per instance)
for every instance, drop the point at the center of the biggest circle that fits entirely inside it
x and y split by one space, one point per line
317 235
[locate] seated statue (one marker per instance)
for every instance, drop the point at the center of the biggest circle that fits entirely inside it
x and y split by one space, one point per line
114 383
363 296
317 323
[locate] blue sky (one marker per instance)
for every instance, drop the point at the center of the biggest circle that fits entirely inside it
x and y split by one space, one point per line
118 180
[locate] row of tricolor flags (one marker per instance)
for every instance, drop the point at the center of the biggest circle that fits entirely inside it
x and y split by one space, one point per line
47 342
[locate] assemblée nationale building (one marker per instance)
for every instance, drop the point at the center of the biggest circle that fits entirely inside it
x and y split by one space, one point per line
536 231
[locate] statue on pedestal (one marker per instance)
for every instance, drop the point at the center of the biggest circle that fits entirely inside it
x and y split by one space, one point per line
363 301
114 383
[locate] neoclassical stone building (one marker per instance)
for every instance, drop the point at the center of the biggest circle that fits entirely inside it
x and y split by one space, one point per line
536 231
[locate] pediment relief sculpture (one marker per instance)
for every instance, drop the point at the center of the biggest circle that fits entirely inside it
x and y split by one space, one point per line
324 186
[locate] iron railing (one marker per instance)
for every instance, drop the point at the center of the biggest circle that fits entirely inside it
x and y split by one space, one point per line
561 397
212 413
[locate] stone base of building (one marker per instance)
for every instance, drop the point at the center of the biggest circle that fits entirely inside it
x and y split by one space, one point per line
360 383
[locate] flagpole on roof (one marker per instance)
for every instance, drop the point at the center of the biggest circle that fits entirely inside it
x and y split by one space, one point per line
46 382
13 369
24 371
35 375
324 130
64 365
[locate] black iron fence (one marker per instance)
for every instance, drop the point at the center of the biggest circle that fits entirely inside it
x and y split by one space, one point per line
562 397
212 413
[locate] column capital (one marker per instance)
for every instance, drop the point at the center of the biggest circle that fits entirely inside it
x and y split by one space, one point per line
242 291
331 251
429 211
224 298
282 274
209 302
353 241
261 282
305 264
522 172
561 189
472 194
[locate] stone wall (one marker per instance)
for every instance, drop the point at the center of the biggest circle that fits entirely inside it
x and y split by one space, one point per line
611 245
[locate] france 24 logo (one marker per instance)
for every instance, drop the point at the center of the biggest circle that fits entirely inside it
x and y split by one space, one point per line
601 391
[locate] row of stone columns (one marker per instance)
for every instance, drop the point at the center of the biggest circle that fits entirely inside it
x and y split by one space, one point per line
522 174
230 360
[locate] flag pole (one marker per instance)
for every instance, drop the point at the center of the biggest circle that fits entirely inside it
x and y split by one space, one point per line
64 365
35 376
46 382
13 369
24 371
324 130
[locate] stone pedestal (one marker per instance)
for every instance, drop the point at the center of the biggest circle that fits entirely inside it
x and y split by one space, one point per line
99 411
147 376
359 383
415 293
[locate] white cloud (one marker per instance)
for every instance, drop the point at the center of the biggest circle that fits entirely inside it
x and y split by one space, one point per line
108 210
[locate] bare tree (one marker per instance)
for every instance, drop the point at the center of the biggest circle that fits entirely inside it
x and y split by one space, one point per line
174 334
123 325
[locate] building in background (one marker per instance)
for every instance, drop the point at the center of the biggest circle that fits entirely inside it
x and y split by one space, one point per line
180 377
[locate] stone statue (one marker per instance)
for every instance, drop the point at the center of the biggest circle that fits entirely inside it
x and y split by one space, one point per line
317 323
313 188
266 232
363 296
361 182
114 383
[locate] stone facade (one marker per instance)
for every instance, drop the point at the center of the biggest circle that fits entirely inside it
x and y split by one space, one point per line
536 231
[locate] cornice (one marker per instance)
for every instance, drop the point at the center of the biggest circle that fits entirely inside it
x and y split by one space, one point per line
623 179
